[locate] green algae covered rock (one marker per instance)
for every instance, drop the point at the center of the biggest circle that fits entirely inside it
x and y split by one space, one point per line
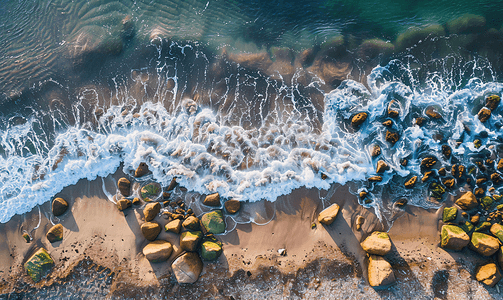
486 202
467 227
453 238
211 250
437 191
214 222
413 35
497 231
484 244
39 264
482 226
151 190
449 214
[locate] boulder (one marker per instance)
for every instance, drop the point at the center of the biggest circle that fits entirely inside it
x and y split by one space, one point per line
413 35
123 203
358 119
174 226
497 231
151 210
484 114
467 201
212 200
431 112
150 230
380 272
214 222
449 214
392 137
210 250
141 170
411 182
458 171
484 244
453 238
492 102
172 184
124 186
189 240
26 237
59 206
39 264
376 151
233 206
327 216
187 267
500 257
158 251
381 167
466 24
488 274
55 234
151 191
377 243
191 223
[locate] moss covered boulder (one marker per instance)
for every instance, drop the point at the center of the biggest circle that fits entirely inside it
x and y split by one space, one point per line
488 274
453 238
327 216
158 251
213 222
484 244
482 226
467 201
497 231
487 202
450 214
380 272
55 234
151 190
39 264
377 243
189 240
211 250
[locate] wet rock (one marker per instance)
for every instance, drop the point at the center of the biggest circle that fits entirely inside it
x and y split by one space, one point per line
446 151
124 186
212 200
377 243
428 162
327 216
484 244
150 230
466 226
189 240
497 231
359 222
449 214
59 206
483 227
500 165
232 206
136 201
492 102
496 178
479 192
449 182
393 109
401 202
467 24
467 201
458 171
214 222
363 195
151 210
488 274
481 181
123 203
420 121
191 223
437 191
158 251
388 123
172 185
380 272
39 264
187 267
323 176
475 219
174 226
142 170
453 238
427 175
392 137
376 151
128 29
211 250
484 114
358 119
375 179
432 113
55 234
150 191
26 237
404 162
381 167
413 35
487 202
442 172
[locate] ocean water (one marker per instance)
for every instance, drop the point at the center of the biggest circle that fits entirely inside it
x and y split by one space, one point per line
251 99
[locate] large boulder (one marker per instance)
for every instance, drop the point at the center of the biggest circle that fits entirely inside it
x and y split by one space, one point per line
187 267
497 231
453 238
211 250
59 206
55 234
484 244
191 223
150 230
189 240
174 226
212 200
158 251
467 201
39 264
377 243
327 216
232 206
124 186
380 272
214 222
488 274
151 210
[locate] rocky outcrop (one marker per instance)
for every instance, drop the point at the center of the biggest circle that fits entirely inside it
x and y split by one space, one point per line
212 200
55 234
327 216
59 206
124 186
187 267
189 240
174 226
39 264
467 201
213 222
151 210
211 250
150 230
488 274
380 272
453 238
233 206
142 170
191 223
377 243
484 244
158 251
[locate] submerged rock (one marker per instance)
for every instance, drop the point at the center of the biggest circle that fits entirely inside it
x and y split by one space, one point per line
377 243
151 191
211 250
484 244
488 274
212 200
432 113
492 102
468 23
467 201
59 206
39 264
233 206
393 109
380 272
327 216
55 234
213 222
392 137
142 170
358 119
150 230
453 238
413 35
187 267
158 251
124 186
151 210
449 214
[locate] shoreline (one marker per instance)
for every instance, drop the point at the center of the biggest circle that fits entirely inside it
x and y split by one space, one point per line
108 244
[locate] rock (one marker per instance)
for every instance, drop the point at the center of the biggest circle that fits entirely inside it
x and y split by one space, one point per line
363 195
484 244
358 119
39 264
158 251
372 48
488 274
466 226
212 200
380 272
136 201
123 203
392 137
141 170
411 182
420 121
393 109
482 227
458 171
377 243
496 178
381 167
172 184
124 186
191 223
446 151
453 238
449 182
59 206
327 216
437 191
187 267
492 102
484 114
376 151
486 202
151 210
497 231
213 222
428 162
467 201
375 179
401 202
387 123
500 165
468 23
26 237
150 230
233 206
427 175
413 35
151 191
449 214
210 250
359 222
55 234
475 219
442 172
189 240
432 113
174 226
